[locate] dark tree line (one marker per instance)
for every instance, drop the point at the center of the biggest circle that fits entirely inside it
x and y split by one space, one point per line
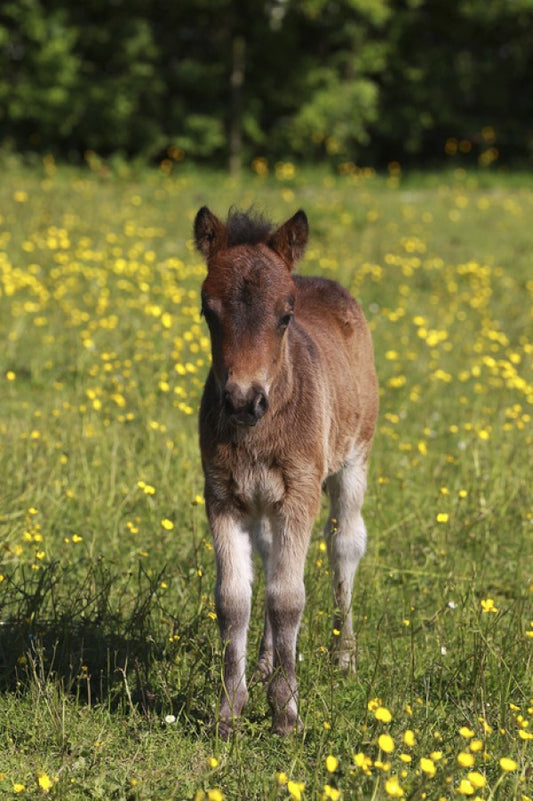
229 80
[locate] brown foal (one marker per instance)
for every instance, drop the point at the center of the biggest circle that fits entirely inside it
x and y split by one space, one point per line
289 408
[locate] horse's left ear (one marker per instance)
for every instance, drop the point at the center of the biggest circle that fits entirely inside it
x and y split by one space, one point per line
291 238
209 232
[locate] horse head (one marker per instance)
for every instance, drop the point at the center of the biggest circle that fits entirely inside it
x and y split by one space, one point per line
248 300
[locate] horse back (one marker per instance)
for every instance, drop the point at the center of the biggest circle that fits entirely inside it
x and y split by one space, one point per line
335 323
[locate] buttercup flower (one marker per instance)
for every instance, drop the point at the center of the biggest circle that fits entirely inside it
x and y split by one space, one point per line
393 788
383 714
507 764
427 766
465 759
44 782
386 743
332 763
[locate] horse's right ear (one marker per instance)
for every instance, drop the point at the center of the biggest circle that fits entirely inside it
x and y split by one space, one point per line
209 232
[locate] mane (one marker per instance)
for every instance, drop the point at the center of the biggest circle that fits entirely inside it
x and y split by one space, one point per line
247 228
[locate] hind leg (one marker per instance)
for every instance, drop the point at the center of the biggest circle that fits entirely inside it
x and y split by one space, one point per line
345 535
262 540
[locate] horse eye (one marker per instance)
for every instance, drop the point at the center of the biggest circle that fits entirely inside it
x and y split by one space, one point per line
285 320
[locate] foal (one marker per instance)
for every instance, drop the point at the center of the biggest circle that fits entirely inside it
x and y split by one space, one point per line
289 407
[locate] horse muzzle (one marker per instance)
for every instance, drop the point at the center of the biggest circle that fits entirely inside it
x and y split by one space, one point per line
245 408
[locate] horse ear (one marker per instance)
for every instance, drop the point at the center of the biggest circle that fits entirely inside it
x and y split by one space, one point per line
291 238
209 232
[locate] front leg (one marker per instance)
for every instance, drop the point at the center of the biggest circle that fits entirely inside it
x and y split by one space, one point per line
285 600
233 594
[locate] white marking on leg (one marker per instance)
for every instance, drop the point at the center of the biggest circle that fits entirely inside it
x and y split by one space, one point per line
346 540
233 594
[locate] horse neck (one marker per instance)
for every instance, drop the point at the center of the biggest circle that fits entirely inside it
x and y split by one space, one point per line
284 384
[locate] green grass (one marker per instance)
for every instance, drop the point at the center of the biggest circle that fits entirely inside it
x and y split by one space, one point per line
106 566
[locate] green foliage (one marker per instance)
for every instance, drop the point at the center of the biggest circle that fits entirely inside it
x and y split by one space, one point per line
336 117
39 69
451 70
367 81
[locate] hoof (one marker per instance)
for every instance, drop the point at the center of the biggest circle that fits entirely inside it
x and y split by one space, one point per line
285 724
345 656
346 662
224 729
263 670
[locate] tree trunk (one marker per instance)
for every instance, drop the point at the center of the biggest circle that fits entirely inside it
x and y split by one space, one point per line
238 48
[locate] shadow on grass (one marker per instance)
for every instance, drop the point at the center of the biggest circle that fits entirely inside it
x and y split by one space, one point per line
103 646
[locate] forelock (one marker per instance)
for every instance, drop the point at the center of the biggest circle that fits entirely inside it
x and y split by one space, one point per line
247 228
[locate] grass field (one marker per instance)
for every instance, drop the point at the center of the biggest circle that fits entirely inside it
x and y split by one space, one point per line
109 648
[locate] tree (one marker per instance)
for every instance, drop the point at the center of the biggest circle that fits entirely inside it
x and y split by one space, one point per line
456 68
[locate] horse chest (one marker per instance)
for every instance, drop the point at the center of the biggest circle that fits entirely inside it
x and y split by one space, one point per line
252 484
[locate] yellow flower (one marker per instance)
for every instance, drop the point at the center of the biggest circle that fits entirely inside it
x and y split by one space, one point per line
487 605
409 738
331 792
373 704
465 732
465 788
212 762
443 517
282 778
148 489
332 763
45 782
465 759
296 789
167 524
427 766
383 714
507 764
486 728
18 788
476 745
476 779
364 762
386 743
215 794
393 788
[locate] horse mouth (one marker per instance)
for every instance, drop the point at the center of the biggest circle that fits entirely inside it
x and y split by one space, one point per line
244 420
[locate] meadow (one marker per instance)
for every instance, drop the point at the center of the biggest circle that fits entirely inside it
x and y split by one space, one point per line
109 647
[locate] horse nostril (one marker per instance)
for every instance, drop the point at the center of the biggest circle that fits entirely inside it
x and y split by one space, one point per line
229 403
244 408
260 405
